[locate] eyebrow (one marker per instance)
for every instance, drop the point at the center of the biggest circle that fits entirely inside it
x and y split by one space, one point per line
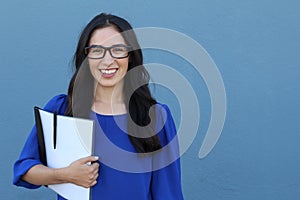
99 45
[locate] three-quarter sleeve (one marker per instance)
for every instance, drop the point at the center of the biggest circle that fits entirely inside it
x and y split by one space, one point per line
166 179
29 156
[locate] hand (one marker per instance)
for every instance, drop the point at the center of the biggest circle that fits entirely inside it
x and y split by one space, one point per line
81 173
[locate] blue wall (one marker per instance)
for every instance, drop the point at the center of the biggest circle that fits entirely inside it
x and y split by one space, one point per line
255 45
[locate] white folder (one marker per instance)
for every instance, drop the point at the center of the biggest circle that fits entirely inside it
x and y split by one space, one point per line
65 139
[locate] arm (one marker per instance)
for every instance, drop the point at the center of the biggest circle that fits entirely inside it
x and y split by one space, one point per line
79 173
166 183
166 180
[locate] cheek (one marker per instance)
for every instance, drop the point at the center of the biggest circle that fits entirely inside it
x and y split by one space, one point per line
123 64
93 64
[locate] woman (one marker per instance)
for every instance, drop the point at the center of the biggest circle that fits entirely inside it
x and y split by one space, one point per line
110 85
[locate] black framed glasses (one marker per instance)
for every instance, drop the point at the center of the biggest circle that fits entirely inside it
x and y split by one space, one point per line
116 51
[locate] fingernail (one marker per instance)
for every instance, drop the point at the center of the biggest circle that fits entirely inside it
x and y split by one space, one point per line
96 157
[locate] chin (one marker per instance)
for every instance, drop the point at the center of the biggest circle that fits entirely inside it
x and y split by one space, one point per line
107 83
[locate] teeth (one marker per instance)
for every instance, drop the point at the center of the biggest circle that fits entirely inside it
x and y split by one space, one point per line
108 71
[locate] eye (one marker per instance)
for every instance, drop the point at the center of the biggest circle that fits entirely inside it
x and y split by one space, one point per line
119 50
96 50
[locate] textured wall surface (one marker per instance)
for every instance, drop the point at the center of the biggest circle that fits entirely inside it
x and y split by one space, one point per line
255 45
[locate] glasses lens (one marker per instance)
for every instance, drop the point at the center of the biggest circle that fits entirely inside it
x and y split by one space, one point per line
119 51
95 52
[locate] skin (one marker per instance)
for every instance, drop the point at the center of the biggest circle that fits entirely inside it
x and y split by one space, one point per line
78 172
109 91
108 100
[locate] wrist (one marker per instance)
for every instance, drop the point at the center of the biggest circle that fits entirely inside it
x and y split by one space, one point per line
61 175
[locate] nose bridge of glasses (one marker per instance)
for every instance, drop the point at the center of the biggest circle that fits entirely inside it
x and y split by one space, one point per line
107 55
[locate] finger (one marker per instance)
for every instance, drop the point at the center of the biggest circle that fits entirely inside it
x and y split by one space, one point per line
96 176
95 166
94 183
92 177
96 171
88 159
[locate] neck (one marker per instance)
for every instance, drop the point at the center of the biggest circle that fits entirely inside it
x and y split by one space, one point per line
109 100
109 94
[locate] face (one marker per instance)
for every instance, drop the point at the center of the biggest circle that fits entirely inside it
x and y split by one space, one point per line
108 71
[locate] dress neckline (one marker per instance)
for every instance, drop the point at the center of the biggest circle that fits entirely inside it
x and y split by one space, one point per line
110 115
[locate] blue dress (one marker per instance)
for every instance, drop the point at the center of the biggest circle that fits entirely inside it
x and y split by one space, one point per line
123 174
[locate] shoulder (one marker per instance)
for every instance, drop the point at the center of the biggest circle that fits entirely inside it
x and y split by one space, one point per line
165 126
57 103
163 112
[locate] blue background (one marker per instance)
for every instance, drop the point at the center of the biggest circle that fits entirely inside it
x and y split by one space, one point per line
255 45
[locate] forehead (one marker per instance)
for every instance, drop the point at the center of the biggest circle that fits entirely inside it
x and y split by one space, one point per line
106 36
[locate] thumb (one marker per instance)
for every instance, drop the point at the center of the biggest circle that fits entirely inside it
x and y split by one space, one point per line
88 159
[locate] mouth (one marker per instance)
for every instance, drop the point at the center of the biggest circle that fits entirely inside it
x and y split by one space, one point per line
108 73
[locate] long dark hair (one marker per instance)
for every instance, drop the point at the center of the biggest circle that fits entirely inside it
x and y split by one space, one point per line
143 139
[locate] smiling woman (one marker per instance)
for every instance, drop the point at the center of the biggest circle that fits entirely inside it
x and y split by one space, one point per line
102 87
